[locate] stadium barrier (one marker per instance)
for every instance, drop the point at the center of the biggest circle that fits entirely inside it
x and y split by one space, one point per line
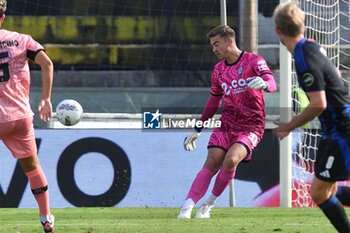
128 168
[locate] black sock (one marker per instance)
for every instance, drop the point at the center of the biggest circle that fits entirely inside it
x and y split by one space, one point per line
335 212
343 194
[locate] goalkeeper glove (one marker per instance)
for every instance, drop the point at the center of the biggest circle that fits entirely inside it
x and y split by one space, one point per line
189 141
257 83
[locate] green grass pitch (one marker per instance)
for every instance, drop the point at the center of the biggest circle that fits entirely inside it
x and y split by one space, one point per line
159 220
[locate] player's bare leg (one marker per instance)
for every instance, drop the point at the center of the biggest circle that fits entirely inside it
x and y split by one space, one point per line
322 193
38 184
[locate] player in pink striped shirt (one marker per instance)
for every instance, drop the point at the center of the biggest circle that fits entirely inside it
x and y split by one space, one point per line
16 116
239 79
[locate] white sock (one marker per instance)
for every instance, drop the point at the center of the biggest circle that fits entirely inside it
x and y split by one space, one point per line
211 200
188 204
46 218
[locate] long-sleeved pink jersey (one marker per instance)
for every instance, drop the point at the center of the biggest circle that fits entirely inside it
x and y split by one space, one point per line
244 108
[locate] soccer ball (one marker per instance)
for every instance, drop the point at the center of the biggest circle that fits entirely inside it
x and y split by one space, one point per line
69 112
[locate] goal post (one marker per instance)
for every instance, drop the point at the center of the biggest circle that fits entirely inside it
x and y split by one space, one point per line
223 21
285 116
223 14
285 150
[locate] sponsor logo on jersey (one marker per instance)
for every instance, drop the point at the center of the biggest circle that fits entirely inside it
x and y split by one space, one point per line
325 173
235 87
262 66
253 138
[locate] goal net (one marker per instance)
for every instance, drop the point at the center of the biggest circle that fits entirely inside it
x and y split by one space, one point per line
327 22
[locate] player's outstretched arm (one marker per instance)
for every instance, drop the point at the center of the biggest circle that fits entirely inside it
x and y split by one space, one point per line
212 105
318 103
45 106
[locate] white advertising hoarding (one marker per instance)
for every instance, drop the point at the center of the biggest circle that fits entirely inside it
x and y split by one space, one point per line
124 168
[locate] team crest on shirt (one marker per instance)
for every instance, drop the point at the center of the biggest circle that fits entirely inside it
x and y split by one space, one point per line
308 79
240 70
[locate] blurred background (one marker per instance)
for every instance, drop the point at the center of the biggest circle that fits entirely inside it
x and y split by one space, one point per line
122 56
126 55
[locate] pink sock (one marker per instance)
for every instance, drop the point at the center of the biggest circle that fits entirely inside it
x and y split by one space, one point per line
222 180
37 180
200 184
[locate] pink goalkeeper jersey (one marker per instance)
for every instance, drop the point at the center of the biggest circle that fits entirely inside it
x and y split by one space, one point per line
15 49
244 108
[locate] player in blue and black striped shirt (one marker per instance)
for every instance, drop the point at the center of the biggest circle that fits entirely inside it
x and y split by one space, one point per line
329 101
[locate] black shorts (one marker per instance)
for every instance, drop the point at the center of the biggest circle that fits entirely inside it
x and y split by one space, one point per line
330 162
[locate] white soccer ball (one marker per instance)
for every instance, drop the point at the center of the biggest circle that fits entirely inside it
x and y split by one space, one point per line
69 112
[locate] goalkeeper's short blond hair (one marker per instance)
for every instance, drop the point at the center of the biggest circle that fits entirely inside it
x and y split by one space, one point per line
289 18
3 6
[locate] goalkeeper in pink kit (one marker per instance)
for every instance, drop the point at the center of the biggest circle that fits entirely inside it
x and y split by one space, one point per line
16 116
239 79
